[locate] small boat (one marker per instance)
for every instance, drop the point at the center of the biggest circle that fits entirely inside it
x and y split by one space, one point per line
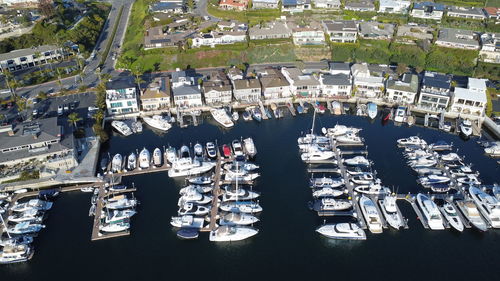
119 215
114 227
450 157
249 147
192 196
469 180
211 150
374 188
157 159
25 228
188 233
136 127
193 209
411 141
187 221
231 194
400 115
493 150
120 204
336 108
325 182
343 231
349 139
198 150
144 159
371 109
462 171
158 122
237 219
30 215
300 109
327 192
317 155
235 116
330 204
390 211
450 214
447 126
170 155
200 180
372 217
246 116
221 116
357 161
226 150
237 148
268 113
433 179
339 130
364 178
184 152
117 187
472 214
233 177
441 146
14 253
241 207
19 240
466 128
488 205
431 212
198 188
87 189
36 204
232 233
256 114
131 162
116 163
121 127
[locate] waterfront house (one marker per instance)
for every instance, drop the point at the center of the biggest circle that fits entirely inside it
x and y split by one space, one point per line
471 100
238 5
295 6
308 36
376 30
265 4
338 85
157 94
490 47
458 38
167 7
492 12
466 13
271 30
411 33
301 85
435 91
402 90
359 5
234 73
183 78
29 57
186 96
247 90
274 84
428 10
42 139
366 85
340 68
217 89
327 4
341 31
121 97
394 6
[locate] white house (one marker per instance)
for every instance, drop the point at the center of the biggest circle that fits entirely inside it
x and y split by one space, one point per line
301 85
327 4
435 91
404 90
471 100
394 6
247 90
338 85
274 84
219 38
365 85
217 90
308 36
121 98
29 57
295 6
265 4
187 96
182 78
428 10
341 31
340 68
490 48
458 38
466 13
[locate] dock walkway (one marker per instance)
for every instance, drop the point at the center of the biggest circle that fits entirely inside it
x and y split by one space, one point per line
214 211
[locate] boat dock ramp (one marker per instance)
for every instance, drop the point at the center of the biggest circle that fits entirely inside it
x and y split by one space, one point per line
291 108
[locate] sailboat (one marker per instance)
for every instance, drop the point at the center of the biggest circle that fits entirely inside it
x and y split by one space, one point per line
240 206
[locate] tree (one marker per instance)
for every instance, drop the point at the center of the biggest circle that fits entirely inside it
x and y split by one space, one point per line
21 105
12 84
74 118
46 8
138 79
42 95
401 68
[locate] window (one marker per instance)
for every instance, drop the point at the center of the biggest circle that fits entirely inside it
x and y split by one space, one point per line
116 104
129 103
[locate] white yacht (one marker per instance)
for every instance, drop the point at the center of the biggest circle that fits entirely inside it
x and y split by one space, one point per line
31 215
235 116
241 207
118 215
450 214
431 212
493 151
469 180
400 114
36 204
249 147
237 219
241 177
317 155
193 209
339 130
211 150
116 163
451 157
196 188
390 211
422 162
344 231
19 240
330 204
187 167
158 122
237 148
122 203
144 159
466 127
364 178
349 139
114 227
371 214
231 194
25 228
192 196
312 138
14 253
122 128
472 214
357 161
131 162
232 233
187 221
325 182
488 205
198 150
170 154
327 192
200 180
220 115
411 141
371 109
157 161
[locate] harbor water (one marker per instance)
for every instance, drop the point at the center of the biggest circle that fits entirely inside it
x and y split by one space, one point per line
287 246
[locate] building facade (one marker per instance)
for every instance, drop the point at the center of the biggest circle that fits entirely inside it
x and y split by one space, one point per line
27 58
341 31
471 100
247 90
121 98
157 95
404 90
435 91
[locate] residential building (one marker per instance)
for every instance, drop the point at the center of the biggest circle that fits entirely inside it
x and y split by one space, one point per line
364 84
435 91
274 84
219 38
170 7
29 57
121 97
265 4
492 12
301 85
411 33
186 96
360 5
158 37
394 6
234 73
247 90
428 10
24 3
295 6
376 30
272 30
308 36
471 100
490 48
43 140
238 5
340 68
217 89
157 95
341 31
403 90
338 85
466 13
458 38
327 4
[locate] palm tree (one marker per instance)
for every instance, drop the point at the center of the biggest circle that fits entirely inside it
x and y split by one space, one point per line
12 83
21 105
138 79
74 118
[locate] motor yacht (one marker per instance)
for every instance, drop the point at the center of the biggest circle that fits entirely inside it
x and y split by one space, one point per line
237 219
357 161
469 180
339 130
493 151
245 167
325 182
488 205
462 171
451 157
122 203
198 150
327 192
424 171
241 207
25 228
441 146
344 231
137 127
472 214
170 154
157 161
450 214
131 162
231 194
121 127
374 188
433 179
31 215
36 204
211 150
18 240
317 155
390 211
363 179
372 217
237 148
221 116
192 196
158 122
200 180
232 233
371 110
233 177
422 162
196 188
193 209
249 147
118 215
14 253
400 115
187 221
115 227
144 159
411 141
349 139
187 167
431 212
330 204
116 163
466 128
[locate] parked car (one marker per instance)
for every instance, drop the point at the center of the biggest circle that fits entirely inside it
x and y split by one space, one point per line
35 112
66 107
60 110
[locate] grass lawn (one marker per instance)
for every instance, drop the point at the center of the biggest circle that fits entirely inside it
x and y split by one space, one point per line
251 17
135 31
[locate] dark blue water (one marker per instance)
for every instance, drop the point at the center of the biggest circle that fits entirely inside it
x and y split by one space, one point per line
287 247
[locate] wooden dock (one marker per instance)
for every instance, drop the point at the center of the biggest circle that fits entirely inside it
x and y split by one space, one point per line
263 111
420 217
324 170
152 169
375 199
214 211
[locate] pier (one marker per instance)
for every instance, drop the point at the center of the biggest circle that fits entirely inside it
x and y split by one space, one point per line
263 111
420 217
214 211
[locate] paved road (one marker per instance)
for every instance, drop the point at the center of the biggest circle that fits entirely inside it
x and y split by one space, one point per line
201 9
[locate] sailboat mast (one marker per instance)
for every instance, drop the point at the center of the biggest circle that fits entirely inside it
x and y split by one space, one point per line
237 176
5 227
314 119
